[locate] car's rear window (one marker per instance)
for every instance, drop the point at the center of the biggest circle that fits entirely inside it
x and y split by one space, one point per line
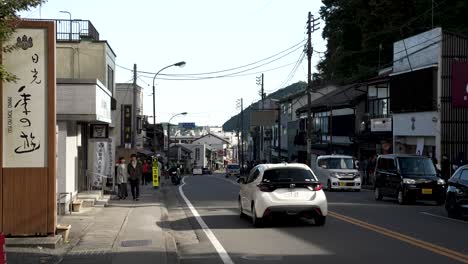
288 175
233 167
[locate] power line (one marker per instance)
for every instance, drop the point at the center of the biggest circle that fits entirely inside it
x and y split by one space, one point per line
226 70
235 74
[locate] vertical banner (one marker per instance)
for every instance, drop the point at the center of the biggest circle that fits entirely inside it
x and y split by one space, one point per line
98 161
127 126
25 101
155 172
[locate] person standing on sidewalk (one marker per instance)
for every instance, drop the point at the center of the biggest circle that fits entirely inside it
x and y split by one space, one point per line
146 170
122 177
135 172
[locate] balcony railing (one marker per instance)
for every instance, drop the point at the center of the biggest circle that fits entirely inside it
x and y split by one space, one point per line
73 30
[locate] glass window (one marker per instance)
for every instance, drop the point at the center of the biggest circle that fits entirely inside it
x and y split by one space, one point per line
382 164
464 175
416 166
391 166
288 175
253 176
382 92
372 93
337 163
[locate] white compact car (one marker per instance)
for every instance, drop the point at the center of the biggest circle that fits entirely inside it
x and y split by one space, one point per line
290 189
338 172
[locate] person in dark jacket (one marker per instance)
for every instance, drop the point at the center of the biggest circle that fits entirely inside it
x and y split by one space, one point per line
445 167
135 172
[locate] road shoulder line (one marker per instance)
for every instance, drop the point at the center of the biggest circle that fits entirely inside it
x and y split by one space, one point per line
211 236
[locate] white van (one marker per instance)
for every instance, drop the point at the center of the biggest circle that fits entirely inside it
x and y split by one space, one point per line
338 172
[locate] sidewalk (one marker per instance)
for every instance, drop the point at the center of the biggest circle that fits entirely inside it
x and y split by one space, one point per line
126 231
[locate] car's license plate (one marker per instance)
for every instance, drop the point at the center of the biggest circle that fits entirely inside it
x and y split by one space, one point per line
291 194
342 183
426 191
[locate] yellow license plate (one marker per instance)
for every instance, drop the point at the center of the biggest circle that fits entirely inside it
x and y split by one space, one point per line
426 191
342 183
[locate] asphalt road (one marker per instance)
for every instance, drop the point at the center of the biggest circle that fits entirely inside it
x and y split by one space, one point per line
358 230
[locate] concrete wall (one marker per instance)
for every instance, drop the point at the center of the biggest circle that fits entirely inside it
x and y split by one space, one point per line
67 163
88 98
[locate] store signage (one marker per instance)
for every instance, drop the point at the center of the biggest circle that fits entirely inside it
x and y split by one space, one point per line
127 127
25 101
381 125
460 84
99 130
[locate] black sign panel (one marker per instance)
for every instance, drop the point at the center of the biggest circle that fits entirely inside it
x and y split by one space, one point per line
127 124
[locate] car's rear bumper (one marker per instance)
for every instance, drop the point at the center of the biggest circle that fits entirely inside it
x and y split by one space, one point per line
264 202
293 210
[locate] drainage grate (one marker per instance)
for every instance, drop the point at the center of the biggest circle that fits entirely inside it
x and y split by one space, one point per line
136 243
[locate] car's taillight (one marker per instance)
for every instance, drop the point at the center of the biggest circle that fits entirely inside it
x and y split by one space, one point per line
317 187
265 188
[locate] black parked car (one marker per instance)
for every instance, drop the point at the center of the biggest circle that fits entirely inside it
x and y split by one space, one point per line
456 202
408 178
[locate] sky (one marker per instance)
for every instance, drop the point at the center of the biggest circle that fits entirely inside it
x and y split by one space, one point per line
210 36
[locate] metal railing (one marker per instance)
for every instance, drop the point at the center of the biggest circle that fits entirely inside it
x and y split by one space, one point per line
73 30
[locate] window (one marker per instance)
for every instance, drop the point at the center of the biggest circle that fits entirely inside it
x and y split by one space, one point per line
110 79
253 176
382 164
378 100
391 166
464 176
321 122
416 166
288 175
337 163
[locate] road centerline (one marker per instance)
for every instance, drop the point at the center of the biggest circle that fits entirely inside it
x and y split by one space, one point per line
404 238
211 236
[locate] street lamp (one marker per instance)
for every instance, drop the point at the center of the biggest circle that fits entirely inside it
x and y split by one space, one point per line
169 135
179 64
69 14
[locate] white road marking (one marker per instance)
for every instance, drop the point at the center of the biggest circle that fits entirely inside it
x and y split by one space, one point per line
214 241
444 217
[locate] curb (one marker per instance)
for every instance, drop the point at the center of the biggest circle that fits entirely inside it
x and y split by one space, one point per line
172 255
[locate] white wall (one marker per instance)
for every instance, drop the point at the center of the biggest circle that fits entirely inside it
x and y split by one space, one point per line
425 124
67 163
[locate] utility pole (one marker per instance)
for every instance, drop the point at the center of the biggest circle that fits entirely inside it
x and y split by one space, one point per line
134 115
280 131
311 27
242 133
260 82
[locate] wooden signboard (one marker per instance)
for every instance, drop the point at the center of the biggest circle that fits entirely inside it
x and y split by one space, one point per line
28 133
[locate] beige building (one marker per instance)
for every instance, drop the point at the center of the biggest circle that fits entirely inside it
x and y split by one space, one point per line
85 110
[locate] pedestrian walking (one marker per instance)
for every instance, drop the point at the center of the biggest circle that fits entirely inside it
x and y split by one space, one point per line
122 178
146 170
135 172
445 167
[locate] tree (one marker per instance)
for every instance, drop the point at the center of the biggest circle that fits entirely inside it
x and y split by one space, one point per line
8 21
360 33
